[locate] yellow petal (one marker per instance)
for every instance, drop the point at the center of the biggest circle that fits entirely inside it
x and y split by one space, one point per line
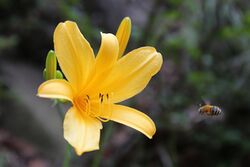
132 118
123 34
108 52
56 88
106 58
75 55
131 73
81 131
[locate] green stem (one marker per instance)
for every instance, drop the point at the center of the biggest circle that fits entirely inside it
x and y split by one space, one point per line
107 134
59 109
67 154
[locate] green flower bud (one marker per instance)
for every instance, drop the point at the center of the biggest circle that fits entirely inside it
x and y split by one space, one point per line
50 71
44 74
59 74
50 66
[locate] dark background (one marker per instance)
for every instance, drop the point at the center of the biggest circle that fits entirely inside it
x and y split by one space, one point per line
206 50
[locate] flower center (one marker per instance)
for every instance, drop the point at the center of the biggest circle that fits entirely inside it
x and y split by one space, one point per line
82 103
99 106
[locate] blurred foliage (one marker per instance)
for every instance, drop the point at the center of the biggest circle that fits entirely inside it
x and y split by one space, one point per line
206 47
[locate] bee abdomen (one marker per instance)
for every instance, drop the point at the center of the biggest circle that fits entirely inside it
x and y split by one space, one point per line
216 110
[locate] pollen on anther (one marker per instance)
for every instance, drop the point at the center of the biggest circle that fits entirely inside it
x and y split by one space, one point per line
101 98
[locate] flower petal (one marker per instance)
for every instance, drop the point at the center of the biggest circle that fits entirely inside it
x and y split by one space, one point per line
132 118
56 88
108 52
123 34
131 73
75 55
81 131
106 58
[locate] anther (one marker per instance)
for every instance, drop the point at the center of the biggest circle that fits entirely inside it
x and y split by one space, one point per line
101 98
104 106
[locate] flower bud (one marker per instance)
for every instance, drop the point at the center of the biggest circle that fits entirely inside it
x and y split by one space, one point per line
44 74
50 66
59 74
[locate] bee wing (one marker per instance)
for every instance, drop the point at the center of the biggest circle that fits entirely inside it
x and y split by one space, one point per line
204 101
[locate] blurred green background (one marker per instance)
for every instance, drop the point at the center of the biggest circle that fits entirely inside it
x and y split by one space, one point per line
206 49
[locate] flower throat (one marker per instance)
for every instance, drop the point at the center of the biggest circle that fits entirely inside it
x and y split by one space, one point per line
95 107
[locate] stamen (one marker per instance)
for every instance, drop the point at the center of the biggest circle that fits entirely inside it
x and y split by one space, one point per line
89 109
102 119
87 105
101 105
101 98
109 109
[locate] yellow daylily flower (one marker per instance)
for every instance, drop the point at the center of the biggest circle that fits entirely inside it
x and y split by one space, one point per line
95 85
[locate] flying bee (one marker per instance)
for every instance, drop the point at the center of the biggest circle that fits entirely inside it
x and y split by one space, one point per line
209 110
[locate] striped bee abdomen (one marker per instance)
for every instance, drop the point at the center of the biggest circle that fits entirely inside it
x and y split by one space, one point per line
215 110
